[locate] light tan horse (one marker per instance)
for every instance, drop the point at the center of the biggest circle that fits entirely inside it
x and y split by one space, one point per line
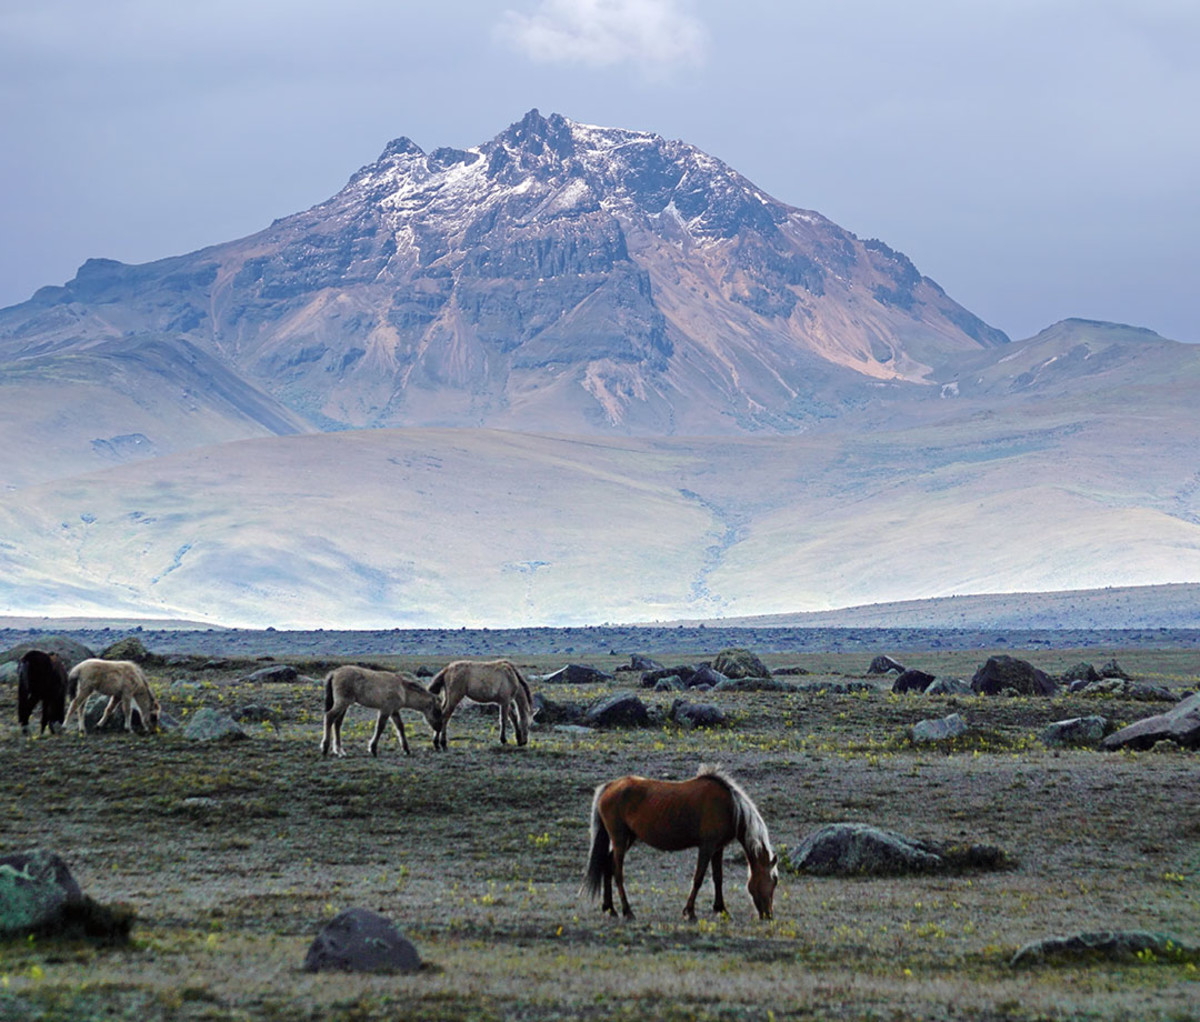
122 681
389 692
706 812
488 681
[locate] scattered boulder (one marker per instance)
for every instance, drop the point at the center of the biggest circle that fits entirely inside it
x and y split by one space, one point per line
131 648
671 683
359 940
621 709
577 674
276 674
1180 724
885 665
948 687
8 672
753 685
1080 672
791 670
69 651
705 676
38 896
1112 669
1078 731
912 680
93 710
1007 672
945 729
1121 688
681 671
694 715
1105 945
548 711
860 849
740 663
209 725
637 662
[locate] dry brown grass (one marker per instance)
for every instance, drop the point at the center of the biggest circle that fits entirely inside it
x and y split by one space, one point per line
477 854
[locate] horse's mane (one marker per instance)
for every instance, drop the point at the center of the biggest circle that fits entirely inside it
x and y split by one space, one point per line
748 819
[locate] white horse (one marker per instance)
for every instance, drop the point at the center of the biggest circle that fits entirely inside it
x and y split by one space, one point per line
122 681
490 681
388 692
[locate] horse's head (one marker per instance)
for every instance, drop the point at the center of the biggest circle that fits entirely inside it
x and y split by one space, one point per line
764 876
433 714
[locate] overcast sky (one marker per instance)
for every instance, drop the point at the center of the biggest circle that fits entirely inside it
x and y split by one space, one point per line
1038 158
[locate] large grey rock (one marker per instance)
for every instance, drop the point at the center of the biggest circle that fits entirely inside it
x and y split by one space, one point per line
885 665
671 683
940 730
38 896
681 671
577 674
1006 672
638 662
948 687
276 674
1122 688
740 663
359 940
858 849
549 711
1085 731
1180 724
621 709
1082 671
69 651
34 888
1106 945
8 672
705 676
754 685
694 715
209 725
93 710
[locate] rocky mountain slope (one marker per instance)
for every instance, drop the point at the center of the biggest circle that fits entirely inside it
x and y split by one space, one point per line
559 278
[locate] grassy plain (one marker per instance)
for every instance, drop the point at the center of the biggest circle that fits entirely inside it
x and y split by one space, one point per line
233 855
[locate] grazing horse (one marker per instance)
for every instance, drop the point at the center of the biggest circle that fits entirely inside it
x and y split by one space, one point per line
386 691
706 812
489 681
41 678
123 682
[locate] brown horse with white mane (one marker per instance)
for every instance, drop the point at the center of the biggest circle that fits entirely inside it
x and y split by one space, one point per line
389 692
487 681
706 812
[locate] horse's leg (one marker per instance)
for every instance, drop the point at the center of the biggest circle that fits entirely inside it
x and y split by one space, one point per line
327 733
398 724
112 702
702 859
339 716
380 724
718 866
503 721
447 712
127 709
619 850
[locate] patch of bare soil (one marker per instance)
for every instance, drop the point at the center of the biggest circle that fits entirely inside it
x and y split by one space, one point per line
233 855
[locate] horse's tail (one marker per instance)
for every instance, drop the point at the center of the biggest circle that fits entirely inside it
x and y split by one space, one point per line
600 861
329 691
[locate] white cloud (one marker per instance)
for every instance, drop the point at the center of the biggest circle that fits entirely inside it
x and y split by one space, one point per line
656 35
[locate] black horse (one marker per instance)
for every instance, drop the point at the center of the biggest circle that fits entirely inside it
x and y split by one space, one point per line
41 678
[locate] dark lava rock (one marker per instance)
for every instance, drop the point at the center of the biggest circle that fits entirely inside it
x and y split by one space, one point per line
753 685
547 711
1180 724
948 687
791 671
1112 669
93 710
740 663
694 715
885 665
1105 945
38 896
253 713
277 674
1007 672
577 674
359 940
621 709
1080 672
912 680
131 648
705 676
637 662
681 671
671 683
1078 731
